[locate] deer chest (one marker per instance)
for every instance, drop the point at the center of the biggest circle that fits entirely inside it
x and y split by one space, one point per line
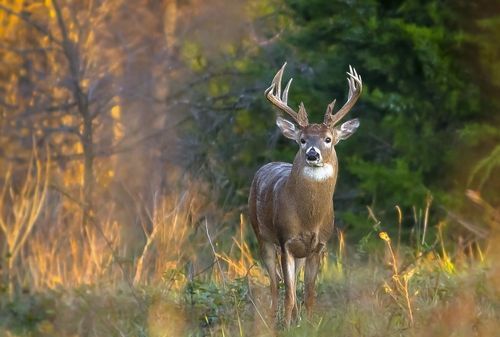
304 244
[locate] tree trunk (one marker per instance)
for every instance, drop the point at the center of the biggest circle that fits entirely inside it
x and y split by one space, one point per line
88 165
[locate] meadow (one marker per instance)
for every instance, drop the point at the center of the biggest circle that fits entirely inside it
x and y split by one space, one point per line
189 280
130 132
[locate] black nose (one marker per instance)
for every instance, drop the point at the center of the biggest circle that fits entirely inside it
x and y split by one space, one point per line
312 155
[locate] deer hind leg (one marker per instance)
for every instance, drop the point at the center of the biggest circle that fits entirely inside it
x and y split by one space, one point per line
268 253
310 274
299 264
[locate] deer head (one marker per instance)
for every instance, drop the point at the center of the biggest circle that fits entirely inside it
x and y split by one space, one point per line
316 141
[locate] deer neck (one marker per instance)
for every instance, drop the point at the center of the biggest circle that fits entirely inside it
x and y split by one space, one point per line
312 184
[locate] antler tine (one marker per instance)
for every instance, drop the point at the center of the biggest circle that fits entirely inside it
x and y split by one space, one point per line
273 94
285 93
355 84
277 80
329 112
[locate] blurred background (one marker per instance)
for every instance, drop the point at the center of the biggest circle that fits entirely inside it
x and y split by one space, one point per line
130 130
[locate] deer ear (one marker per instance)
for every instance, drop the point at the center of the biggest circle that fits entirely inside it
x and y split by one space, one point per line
345 130
288 129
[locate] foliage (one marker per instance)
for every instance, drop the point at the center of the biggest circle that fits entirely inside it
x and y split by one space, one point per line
148 119
420 92
428 111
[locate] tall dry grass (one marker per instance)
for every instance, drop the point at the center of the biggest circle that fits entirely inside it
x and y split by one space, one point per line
20 206
63 254
54 251
194 276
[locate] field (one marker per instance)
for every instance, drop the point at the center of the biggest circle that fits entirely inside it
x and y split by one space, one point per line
191 277
130 132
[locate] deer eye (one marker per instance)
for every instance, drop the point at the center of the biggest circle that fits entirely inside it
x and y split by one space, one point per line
302 141
328 140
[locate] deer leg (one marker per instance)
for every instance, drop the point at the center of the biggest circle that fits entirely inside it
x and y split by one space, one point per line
299 264
268 252
310 274
288 266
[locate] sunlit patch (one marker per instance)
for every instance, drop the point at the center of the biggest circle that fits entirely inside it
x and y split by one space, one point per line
166 319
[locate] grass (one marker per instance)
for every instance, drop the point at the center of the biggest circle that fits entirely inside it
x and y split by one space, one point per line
357 303
192 277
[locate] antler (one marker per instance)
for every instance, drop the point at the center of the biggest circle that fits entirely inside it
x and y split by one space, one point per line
355 87
273 94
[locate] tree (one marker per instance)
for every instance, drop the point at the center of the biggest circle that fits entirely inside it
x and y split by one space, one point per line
420 90
427 79
71 73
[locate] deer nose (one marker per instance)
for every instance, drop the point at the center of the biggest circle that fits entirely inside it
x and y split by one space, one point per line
312 154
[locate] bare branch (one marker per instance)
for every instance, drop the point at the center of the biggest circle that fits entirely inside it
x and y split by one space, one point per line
32 23
27 50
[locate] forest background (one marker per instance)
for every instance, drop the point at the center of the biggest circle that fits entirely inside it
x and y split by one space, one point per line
130 132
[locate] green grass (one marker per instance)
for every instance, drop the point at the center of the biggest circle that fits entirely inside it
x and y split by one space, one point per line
352 301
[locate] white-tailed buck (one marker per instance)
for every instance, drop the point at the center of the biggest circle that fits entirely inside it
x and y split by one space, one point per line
291 205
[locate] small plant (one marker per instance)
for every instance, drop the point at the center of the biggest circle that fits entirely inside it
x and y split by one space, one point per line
397 288
20 207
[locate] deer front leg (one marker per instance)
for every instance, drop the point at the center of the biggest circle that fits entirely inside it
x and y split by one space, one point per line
288 265
268 253
299 264
310 274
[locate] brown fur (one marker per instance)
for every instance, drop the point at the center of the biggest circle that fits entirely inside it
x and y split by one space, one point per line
294 213
291 205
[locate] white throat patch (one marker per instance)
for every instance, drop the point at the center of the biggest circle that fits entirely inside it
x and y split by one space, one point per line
318 173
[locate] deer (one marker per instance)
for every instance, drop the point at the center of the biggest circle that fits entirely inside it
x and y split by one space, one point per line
291 205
